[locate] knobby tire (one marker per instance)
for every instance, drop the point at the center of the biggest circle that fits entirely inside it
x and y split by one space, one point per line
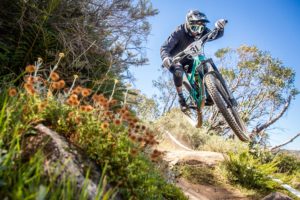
231 116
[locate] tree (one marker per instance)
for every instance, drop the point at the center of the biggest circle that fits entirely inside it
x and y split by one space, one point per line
262 85
100 38
167 92
145 108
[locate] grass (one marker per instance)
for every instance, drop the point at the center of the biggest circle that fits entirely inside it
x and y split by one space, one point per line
108 132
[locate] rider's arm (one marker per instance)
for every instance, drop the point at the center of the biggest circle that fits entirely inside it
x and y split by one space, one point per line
169 44
217 36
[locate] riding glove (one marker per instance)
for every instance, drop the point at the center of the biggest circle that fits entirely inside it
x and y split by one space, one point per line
220 24
167 62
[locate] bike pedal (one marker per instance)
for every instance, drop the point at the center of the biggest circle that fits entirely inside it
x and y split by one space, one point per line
192 107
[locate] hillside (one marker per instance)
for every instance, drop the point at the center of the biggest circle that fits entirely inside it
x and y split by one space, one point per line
167 159
200 172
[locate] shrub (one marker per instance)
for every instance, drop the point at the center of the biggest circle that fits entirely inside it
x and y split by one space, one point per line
249 172
110 135
287 163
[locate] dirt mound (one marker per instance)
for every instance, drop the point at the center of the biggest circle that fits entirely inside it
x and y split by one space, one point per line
177 153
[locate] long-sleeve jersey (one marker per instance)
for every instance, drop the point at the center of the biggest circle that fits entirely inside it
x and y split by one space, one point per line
179 40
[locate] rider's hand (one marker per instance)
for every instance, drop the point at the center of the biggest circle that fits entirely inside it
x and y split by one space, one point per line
220 24
167 62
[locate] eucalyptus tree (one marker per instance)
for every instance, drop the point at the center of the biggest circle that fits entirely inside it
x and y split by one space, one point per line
263 86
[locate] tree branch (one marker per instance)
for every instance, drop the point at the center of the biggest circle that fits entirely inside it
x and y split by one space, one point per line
291 140
272 121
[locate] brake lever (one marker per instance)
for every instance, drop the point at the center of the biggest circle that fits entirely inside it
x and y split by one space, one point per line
213 33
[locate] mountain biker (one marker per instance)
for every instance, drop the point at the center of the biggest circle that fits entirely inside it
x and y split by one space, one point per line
193 29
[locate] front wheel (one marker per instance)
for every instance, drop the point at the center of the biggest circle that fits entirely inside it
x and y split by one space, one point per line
217 93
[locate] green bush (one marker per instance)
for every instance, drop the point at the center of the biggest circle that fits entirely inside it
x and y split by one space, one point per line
249 172
287 163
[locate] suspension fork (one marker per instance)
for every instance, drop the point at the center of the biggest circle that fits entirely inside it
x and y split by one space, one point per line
220 77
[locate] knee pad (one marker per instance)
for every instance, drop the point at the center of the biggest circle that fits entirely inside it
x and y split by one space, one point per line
178 77
178 71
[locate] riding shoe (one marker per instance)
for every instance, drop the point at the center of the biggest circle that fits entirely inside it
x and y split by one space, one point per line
183 105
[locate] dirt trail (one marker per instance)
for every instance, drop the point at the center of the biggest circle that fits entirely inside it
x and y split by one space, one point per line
177 153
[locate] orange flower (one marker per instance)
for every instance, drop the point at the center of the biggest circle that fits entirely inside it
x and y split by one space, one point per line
61 84
86 108
55 85
155 155
72 100
77 90
143 127
133 152
95 98
131 125
74 97
122 111
54 76
29 79
126 116
117 122
29 88
12 92
71 114
140 139
30 68
69 101
104 125
76 103
77 119
137 127
105 106
86 92
132 137
42 106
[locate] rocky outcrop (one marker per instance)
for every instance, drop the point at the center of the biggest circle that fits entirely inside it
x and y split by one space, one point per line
63 159
277 196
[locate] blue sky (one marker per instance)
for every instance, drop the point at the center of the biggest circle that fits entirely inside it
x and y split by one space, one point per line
271 25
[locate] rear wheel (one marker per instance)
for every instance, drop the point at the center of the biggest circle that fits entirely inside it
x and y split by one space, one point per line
218 95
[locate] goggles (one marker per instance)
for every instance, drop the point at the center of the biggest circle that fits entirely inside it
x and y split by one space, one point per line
197 28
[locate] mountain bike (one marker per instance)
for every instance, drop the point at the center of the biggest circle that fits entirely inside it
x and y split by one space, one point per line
205 76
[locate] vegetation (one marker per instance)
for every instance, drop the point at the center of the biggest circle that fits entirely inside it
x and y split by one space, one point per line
260 108
107 131
250 168
82 95
100 39
20 179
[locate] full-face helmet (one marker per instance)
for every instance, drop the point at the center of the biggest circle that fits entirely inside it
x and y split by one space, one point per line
195 22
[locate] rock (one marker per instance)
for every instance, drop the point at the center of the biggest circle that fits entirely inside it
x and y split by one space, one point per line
63 159
277 196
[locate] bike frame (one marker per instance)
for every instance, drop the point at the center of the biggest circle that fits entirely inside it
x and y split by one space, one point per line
197 95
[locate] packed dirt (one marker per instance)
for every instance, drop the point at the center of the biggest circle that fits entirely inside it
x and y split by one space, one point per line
177 153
